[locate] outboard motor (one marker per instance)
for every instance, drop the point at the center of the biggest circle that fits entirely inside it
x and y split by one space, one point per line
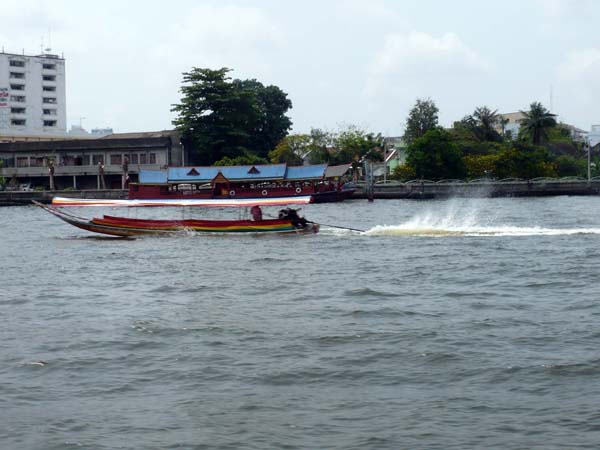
292 215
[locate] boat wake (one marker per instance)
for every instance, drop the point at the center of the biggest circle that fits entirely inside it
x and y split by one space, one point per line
471 218
408 230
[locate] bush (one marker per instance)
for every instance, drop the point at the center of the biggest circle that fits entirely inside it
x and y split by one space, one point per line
567 166
404 172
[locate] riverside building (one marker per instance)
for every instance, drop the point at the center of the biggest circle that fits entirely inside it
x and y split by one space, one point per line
32 95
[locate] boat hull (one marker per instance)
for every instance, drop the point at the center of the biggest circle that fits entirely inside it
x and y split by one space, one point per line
320 195
122 226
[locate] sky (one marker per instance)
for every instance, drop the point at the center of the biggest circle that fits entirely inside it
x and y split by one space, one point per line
341 62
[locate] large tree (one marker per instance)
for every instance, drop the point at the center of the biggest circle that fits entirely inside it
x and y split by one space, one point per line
224 119
421 118
320 146
291 150
354 144
435 156
536 123
272 124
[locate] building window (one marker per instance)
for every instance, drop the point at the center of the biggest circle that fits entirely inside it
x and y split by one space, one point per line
17 87
17 63
17 110
49 77
17 98
49 66
7 162
152 158
142 158
37 161
97 159
49 123
48 88
85 160
22 161
133 158
19 122
18 75
68 160
115 160
49 112
50 100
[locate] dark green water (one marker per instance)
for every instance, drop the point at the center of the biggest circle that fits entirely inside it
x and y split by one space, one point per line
448 325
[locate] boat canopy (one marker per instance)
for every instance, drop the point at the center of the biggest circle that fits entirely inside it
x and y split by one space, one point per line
208 202
337 171
206 174
254 173
314 172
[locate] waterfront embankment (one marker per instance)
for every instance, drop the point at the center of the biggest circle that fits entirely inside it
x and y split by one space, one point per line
19 198
414 190
484 188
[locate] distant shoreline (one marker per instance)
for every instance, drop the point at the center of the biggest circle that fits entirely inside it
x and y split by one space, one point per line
481 189
415 190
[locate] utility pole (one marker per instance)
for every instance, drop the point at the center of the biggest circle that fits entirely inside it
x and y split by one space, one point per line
587 141
368 179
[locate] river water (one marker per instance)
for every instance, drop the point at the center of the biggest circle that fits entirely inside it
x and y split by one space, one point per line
465 323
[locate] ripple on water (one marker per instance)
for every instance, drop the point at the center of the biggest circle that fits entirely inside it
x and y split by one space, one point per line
329 341
368 293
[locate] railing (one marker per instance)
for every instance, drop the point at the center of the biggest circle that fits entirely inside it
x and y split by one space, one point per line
538 180
73 170
483 187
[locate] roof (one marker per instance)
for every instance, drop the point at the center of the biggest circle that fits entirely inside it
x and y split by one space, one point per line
246 202
233 173
85 144
152 176
316 172
337 171
141 134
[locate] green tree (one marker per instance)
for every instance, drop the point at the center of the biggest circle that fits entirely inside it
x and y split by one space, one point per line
480 126
435 156
272 124
486 121
291 150
403 172
319 149
219 118
568 166
243 160
479 166
421 118
536 123
354 144
524 161
503 121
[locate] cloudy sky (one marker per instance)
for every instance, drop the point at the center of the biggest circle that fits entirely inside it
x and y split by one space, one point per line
342 62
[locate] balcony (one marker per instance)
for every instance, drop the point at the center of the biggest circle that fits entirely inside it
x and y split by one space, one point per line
8 172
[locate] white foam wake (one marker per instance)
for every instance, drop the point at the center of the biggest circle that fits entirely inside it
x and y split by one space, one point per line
440 231
472 218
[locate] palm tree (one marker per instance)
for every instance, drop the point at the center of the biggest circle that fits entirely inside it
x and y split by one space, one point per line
503 121
536 121
486 123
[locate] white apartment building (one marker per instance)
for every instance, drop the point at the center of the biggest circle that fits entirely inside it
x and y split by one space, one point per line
32 95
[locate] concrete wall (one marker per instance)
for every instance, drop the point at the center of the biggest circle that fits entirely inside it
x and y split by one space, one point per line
482 189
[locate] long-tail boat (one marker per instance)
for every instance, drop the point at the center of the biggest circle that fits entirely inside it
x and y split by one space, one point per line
288 220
